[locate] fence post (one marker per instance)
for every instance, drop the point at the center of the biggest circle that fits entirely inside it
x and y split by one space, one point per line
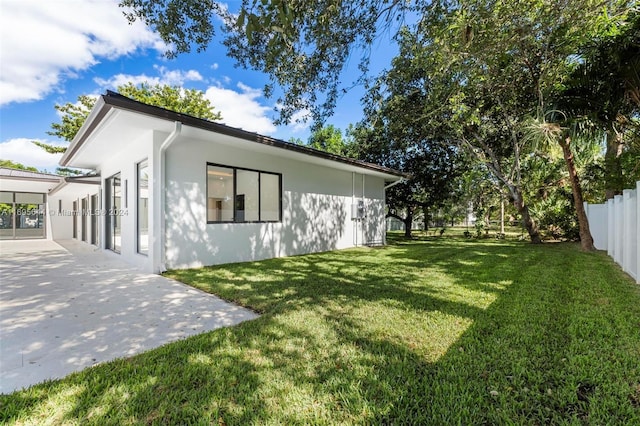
637 236
619 229
611 220
626 234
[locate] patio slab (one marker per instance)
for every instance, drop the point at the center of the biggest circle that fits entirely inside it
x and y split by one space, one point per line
64 306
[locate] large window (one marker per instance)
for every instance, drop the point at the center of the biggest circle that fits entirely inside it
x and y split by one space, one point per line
242 195
22 215
143 207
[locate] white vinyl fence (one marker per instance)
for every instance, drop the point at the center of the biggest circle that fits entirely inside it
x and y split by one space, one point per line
615 227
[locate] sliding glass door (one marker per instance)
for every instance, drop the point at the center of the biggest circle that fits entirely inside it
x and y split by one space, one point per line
22 215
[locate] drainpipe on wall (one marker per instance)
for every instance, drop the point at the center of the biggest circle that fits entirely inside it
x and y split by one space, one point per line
362 219
163 182
353 203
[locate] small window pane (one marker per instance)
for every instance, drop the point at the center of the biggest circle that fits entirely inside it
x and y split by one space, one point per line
269 197
247 196
220 194
24 197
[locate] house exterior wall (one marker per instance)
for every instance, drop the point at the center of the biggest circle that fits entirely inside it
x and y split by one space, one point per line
60 216
125 163
316 208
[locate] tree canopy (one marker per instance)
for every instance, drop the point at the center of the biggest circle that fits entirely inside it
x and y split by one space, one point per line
18 166
495 78
302 45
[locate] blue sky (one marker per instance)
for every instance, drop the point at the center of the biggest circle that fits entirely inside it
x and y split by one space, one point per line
53 51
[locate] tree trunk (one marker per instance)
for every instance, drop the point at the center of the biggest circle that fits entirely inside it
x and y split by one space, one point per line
425 213
408 222
586 240
527 220
612 166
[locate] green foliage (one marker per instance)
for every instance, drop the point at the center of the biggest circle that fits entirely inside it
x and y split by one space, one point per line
443 331
303 45
50 148
433 168
296 141
471 73
186 101
13 165
604 89
72 116
329 139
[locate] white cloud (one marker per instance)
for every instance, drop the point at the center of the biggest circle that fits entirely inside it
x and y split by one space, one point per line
241 109
44 42
300 121
21 150
170 77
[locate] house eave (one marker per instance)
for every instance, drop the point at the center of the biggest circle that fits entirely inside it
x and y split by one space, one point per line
84 180
112 100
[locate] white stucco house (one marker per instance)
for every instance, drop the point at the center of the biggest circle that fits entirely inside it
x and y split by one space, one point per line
173 191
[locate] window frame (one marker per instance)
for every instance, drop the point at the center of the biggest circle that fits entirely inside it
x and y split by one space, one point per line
144 163
235 187
111 218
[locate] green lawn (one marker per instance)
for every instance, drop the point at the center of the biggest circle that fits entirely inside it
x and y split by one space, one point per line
440 331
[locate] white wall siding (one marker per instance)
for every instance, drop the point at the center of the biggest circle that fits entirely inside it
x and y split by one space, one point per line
615 227
125 164
316 208
61 219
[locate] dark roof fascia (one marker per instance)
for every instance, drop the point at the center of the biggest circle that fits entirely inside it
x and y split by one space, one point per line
89 179
113 99
92 179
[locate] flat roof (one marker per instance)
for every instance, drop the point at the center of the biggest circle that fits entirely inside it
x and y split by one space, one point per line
115 100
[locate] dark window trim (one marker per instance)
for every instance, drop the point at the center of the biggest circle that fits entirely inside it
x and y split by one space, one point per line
235 180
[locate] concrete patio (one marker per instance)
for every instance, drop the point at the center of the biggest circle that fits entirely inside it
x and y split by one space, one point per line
65 306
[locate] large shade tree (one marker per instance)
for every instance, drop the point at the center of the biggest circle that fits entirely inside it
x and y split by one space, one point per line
484 69
502 61
432 165
302 45
603 91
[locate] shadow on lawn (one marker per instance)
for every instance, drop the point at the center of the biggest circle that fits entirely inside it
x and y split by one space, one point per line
342 340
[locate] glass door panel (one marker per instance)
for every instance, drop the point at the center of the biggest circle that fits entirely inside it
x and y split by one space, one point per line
29 221
6 221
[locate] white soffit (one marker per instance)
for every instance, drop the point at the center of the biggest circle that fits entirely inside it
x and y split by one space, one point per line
26 185
117 131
